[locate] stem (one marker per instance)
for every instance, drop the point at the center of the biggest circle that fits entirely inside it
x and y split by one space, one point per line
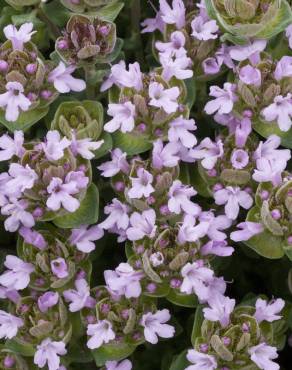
90 83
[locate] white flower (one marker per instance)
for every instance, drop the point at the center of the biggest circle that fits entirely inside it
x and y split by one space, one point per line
262 354
100 333
154 326
123 117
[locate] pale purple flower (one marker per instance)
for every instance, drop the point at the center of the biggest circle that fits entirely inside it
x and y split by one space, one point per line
123 117
177 41
223 57
289 35
11 147
204 30
141 185
9 325
14 101
33 237
179 199
142 225
179 132
248 230
224 101
16 210
220 309
269 149
54 146
84 237
156 259
283 68
281 111
165 156
62 191
217 248
118 215
47 300
250 75
262 354
19 37
132 78
101 332
21 178
84 147
117 164
175 14
111 78
153 24
163 98
177 65
267 311
215 225
18 274
211 66
189 231
242 131
196 279
124 280
239 159
63 81
4 178
249 51
269 170
201 361
154 326
115 365
209 152
48 353
59 268
233 198
80 297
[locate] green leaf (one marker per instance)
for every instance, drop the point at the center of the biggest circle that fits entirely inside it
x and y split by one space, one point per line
199 318
198 182
25 120
191 92
181 299
106 146
111 352
86 214
16 345
180 362
110 12
130 143
265 244
266 129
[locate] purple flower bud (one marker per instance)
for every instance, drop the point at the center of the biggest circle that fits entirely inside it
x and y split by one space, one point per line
31 68
175 283
217 187
47 300
91 319
248 190
125 314
140 249
151 287
23 308
164 210
289 193
163 243
141 127
289 239
33 55
204 347
8 362
104 30
247 113
39 282
59 268
82 168
212 172
62 45
32 96
105 308
150 200
119 186
276 214
38 212
138 264
81 275
137 336
245 327
226 341
3 66
158 132
46 94
264 195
